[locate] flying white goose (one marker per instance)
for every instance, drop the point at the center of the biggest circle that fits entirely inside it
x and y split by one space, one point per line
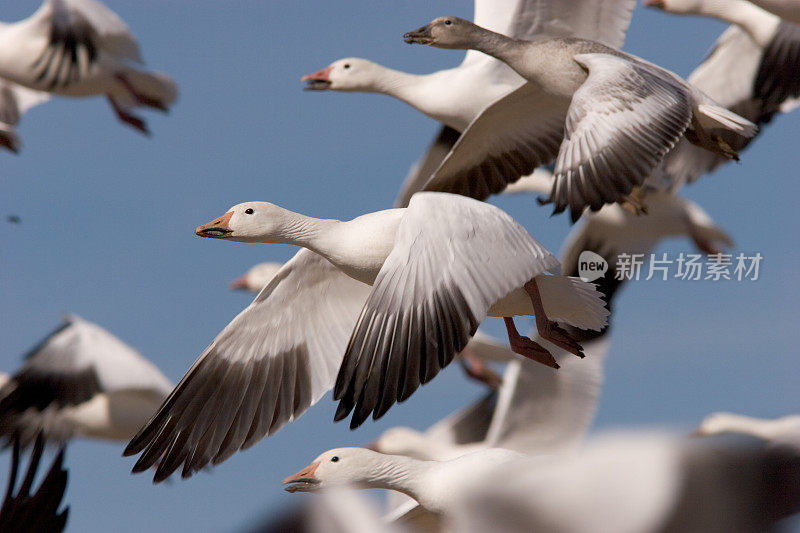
436 485
634 483
434 268
608 118
784 430
751 70
82 48
257 277
81 381
537 411
456 96
15 100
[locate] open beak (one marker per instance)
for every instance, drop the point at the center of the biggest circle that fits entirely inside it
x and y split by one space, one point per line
303 481
217 228
239 283
317 81
420 36
658 4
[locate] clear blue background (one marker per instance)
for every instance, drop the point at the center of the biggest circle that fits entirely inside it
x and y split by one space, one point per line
108 219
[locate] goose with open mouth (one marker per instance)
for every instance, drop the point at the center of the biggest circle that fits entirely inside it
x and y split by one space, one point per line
455 96
419 282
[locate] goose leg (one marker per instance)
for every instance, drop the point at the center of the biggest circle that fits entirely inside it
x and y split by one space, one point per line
128 118
524 346
140 98
548 329
475 368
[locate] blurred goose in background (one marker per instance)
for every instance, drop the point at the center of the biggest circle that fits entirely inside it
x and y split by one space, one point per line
607 119
82 48
636 482
15 100
784 430
80 381
38 511
257 277
734 11
751 70
456 96
252 382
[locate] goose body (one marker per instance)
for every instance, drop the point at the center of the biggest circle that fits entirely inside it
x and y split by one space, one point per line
81 381
400 272
606 117
81 48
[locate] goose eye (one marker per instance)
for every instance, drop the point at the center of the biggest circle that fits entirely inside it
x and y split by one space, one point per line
347 65
448 22
335 459
248 211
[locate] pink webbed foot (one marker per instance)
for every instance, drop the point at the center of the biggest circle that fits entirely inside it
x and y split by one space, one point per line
528 348
549 330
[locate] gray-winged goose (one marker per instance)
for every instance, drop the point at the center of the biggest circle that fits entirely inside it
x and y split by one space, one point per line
607 117
82 48
420 281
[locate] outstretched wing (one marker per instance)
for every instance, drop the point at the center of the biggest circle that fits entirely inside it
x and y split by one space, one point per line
509 139
621 122
453 258
604 21
266 368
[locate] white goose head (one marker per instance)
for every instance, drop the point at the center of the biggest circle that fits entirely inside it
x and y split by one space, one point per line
249 222
339 466
447 32
348 74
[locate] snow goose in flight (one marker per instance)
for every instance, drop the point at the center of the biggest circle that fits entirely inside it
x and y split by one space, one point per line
82 48
436 485
281 354
15 100
456 96
784 430
257 277
635 482
608 118
81 381
751 70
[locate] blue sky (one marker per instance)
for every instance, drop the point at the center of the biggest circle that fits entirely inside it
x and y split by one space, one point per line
108 218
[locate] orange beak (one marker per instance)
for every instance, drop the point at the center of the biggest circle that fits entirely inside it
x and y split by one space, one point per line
303 480
319 80
217 228
239 283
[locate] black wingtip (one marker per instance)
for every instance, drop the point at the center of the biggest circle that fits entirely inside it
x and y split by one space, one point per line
342 411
